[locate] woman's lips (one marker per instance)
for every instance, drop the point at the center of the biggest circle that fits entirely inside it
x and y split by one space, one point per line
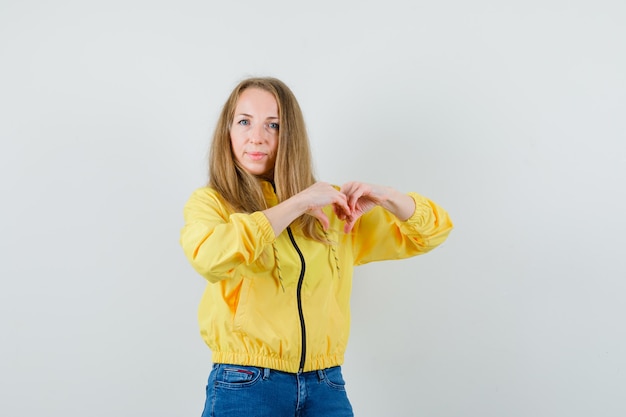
255 156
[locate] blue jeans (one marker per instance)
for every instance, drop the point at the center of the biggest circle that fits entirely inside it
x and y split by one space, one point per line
235 391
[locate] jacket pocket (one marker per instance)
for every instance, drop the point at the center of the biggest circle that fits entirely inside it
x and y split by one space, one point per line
241 317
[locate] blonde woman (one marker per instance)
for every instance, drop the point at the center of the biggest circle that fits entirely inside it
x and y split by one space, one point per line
277 249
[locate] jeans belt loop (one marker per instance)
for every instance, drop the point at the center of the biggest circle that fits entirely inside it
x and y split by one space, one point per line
321 374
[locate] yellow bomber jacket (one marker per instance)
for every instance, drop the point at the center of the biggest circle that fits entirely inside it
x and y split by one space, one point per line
283 302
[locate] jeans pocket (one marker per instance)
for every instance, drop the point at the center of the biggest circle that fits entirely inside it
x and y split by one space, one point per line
237 376
334 378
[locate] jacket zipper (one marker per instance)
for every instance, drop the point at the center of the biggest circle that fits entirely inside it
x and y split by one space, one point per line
299 298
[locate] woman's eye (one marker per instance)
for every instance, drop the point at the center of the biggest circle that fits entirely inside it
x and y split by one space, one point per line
243 122
273 125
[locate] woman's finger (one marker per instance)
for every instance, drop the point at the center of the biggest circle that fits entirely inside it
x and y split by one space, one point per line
319 215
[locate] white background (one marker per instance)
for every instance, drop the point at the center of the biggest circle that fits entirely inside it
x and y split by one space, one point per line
510 114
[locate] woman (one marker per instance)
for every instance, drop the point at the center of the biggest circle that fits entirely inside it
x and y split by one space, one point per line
278 249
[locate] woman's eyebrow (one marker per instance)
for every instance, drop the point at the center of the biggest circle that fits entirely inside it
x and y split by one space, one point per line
249 115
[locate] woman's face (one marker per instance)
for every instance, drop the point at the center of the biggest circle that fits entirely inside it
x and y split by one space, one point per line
254 132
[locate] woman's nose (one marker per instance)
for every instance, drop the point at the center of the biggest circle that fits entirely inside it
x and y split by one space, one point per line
257 133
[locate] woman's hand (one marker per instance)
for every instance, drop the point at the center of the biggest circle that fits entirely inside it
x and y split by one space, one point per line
363 197
320 195
309 201
349 203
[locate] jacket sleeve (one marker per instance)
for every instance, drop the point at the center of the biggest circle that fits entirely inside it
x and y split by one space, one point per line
216 241
378 235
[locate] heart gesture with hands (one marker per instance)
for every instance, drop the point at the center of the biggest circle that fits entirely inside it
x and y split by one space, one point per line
361 198
349 203
322 194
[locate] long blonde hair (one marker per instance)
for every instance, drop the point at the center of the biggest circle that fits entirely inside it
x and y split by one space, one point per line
293 171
